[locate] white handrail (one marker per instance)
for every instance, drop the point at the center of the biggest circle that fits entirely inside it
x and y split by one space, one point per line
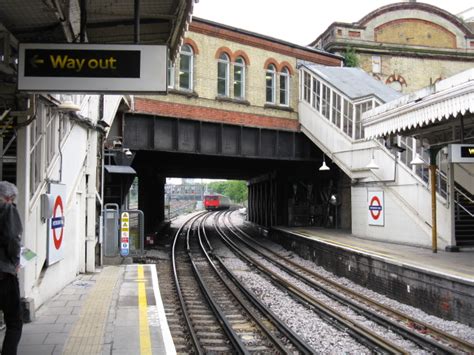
464 208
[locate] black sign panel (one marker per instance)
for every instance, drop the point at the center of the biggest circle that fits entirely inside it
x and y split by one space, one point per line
467 151
82 63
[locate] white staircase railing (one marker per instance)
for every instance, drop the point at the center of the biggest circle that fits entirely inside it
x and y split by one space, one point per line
409 191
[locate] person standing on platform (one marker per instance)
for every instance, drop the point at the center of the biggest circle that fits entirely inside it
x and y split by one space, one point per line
10 248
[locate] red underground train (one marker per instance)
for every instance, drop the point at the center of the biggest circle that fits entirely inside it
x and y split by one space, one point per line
216 202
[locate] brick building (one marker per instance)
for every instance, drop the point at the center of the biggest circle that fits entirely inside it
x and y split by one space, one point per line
407 45
229 75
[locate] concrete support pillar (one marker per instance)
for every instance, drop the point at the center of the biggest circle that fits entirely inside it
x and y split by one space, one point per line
151 199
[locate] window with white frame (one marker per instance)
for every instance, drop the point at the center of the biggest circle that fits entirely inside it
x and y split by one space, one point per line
326 97
186 68
316 99
336 109
170 74
223 66
239 78
307 87
284 87
360 109
348 118
270 80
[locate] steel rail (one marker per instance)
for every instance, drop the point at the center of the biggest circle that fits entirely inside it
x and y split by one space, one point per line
409 334
359 332
279 325
187 318
412 335
238 345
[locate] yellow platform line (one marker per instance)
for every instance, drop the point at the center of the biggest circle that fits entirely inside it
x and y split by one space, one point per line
145 340
349 246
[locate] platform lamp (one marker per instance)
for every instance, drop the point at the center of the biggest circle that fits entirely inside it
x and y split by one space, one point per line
324 167
418 161
68 106
372 164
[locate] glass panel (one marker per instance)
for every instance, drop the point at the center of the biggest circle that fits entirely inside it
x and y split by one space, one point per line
222 69
348 118
325 101
185 72
239 81
270 86
316 94
284 89
336 109
186 49
307 87
360 109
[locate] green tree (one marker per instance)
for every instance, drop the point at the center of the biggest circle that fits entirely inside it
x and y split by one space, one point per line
236 190
350 58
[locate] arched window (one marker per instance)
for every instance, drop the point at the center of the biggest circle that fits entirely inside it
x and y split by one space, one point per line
186 68
270 79
223 75
284 87
239 78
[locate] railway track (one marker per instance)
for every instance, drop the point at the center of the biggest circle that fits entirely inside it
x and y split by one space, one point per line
424 335
210 311
221 316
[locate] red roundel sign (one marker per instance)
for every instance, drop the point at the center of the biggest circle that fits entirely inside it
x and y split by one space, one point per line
57 222
375 207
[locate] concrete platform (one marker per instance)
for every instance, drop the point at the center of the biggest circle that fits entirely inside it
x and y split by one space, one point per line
116 311
440 283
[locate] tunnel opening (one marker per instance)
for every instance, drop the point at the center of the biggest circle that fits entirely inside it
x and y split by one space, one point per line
279 192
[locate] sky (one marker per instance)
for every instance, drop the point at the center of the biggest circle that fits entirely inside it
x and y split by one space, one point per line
298 21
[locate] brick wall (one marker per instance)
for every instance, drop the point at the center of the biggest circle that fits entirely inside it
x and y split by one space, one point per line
418 43
417 72
173 109
203 102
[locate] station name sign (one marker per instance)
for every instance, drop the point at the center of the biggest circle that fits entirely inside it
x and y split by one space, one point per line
92 68
461 153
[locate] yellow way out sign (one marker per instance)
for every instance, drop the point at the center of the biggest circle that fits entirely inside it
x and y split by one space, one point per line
92 67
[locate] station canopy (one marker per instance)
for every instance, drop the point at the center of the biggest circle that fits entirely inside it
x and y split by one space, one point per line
59 21
440 114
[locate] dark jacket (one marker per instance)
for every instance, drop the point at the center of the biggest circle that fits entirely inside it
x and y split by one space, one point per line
10 242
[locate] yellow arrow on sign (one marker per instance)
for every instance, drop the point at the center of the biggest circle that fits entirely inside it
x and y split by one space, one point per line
35 60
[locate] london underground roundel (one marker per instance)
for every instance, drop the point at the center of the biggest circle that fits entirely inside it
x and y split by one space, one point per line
375 208
57 222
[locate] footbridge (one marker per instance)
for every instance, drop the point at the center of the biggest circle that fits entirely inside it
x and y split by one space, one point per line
386 170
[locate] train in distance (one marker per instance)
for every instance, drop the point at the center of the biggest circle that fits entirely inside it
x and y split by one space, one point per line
216 202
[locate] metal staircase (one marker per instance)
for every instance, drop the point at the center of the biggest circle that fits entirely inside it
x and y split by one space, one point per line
8 147
332 102
464 217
